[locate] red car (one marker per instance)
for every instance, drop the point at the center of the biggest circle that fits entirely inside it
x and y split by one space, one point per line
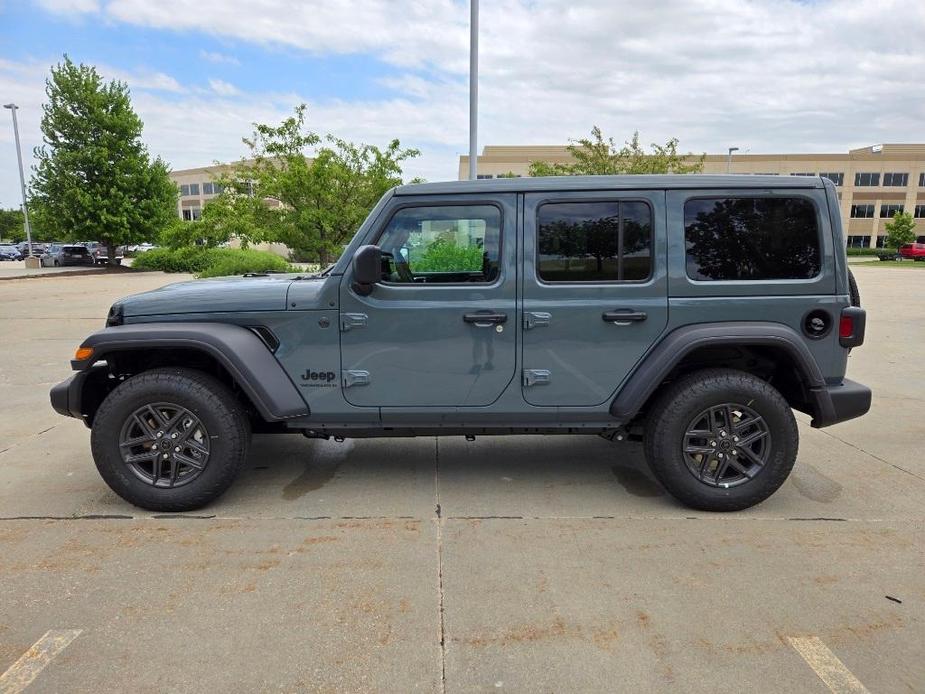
913 251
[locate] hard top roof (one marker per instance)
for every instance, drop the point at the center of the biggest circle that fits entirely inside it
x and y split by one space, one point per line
528 184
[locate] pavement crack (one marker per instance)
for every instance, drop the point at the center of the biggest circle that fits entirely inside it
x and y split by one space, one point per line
873 455
439 522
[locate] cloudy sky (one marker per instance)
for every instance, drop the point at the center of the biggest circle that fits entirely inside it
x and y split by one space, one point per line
764 75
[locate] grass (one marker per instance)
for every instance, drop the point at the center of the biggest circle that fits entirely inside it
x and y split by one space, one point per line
886 263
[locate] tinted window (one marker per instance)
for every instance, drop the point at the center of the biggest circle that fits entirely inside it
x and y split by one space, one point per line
867 179
896 179
862 211
751 238
452 243
594 241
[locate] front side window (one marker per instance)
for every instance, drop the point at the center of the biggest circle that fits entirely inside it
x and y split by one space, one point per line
445 244
594 241
751 238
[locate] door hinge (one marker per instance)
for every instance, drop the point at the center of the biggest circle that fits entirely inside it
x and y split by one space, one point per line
536 319
355 378
349 321
536 377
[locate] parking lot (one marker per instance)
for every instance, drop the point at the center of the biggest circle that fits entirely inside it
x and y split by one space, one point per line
505 564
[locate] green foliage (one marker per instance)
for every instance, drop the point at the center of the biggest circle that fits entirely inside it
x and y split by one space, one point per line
11 226
445 256
321 201
94 178
596 156
870 251
900 230
211 262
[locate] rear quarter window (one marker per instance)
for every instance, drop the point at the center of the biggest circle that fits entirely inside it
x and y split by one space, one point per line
751 238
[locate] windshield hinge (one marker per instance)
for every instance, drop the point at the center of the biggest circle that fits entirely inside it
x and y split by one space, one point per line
349 321
536 377
355 378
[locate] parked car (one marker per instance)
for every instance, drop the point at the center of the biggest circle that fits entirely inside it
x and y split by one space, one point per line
37 248
693 312
100 252
66 254
913 251
139 248
9 252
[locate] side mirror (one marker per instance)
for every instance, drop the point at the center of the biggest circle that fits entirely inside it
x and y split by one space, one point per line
367 269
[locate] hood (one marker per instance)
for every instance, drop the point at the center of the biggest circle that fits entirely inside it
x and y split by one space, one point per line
222 294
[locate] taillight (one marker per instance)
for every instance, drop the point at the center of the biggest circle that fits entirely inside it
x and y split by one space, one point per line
846 326
851 326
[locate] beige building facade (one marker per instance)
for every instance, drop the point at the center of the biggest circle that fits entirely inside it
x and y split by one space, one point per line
198 186
873 182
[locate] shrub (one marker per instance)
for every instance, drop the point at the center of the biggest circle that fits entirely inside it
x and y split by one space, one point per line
237 261
446 256
870 251
210 262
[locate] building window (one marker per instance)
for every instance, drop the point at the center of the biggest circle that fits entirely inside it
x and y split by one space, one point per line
191 214
887 211
184 189
194 189
896 180
919 211
208 188
862 211
803 174
881 242
836 178
922 180
484 176
867 179
767 174
594 241
751 239
858 241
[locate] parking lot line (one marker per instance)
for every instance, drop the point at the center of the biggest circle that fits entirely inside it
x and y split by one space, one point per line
826 664
21 673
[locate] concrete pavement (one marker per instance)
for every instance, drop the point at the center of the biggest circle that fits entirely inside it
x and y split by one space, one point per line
504 564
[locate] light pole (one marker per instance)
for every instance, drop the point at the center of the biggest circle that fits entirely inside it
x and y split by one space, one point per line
473 88
22 176
729 158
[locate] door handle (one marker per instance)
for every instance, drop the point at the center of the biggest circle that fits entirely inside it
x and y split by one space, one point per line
623 316
485 318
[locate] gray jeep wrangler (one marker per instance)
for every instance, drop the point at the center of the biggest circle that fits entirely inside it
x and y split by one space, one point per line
693 313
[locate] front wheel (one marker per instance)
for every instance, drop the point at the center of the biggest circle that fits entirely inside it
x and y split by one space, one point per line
170 439
721 440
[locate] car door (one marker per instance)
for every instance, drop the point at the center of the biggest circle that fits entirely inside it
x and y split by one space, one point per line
440 329
594 291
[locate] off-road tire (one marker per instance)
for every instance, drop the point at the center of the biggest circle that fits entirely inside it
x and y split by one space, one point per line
210 400
853 291
671 414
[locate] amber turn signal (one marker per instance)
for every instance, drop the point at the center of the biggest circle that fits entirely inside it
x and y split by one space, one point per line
83 353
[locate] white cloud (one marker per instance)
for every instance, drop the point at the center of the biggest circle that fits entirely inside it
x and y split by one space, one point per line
764 75
223 88
218 58
70 6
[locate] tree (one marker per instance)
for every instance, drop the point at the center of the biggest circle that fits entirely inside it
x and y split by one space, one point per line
11 226
900 230
596 156
314 206
95 179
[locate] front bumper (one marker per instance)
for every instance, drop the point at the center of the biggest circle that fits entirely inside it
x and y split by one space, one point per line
70 399
839 403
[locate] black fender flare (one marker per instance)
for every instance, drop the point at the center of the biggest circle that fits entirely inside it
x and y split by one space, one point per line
658 363
239 350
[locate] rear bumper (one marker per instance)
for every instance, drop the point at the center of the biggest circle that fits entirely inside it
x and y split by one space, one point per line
840 403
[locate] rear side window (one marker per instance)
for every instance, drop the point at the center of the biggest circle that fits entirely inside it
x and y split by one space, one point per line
751 239
594 241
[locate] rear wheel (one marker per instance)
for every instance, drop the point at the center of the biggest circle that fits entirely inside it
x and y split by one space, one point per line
721 440
170 439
